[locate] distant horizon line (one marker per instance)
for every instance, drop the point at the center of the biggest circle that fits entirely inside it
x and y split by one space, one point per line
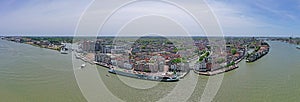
263 36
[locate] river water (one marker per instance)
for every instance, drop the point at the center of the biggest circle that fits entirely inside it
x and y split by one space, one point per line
32 74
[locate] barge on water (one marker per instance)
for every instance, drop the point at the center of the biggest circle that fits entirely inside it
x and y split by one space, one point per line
145 77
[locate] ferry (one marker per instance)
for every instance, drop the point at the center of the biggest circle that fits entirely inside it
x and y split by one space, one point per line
64 49
145 77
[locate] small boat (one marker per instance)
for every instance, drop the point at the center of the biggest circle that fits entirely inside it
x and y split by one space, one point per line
82 66
112 71
77 56
298 47
94 62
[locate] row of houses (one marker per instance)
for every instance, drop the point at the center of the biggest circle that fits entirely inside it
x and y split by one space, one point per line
204 66
155 64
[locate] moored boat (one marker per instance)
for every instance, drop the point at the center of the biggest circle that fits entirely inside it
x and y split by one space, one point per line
64 49
77 56
82 66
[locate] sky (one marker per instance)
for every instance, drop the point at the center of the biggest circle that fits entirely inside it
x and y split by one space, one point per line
236 17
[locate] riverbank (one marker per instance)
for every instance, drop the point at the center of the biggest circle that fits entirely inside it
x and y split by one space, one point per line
51 48
32 74
49 43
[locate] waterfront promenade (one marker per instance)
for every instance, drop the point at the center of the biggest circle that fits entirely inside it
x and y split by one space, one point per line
129 72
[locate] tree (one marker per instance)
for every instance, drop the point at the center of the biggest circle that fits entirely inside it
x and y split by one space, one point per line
177 60
201 58
233 51
175 49
206 54
143 47
257 48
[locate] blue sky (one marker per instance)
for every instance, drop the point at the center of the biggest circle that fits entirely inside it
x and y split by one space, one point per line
236 17
262 17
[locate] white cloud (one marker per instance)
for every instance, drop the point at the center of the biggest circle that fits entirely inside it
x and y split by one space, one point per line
48 18
234 21
61 17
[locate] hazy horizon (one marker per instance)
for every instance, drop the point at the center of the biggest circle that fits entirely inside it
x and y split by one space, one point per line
280 36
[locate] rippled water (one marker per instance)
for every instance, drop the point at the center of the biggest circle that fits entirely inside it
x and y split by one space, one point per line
273 78
31 74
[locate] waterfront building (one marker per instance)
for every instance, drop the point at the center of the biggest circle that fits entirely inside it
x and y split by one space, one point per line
209 66
201 66
120 63
114 62
142 66
87 46
158 63
103 58
153 67
173 67
127 65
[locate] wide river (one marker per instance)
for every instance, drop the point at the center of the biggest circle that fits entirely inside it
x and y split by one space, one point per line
32 74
